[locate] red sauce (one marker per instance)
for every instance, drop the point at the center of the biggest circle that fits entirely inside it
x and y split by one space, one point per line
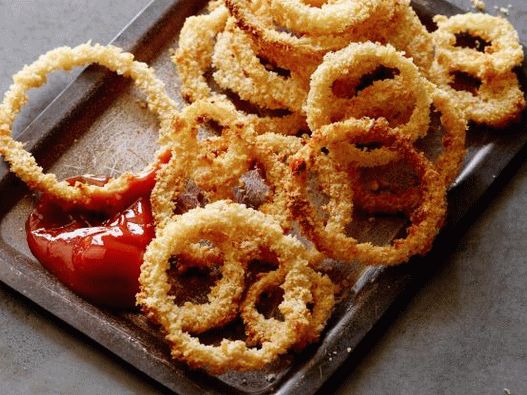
98 256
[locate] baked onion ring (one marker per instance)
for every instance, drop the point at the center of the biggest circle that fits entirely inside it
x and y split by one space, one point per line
272 152
329 18
503 53
193 59
301 54
260 329
352 63
224 297
215 171
24 165
240 70
368 197
406 33
246 230
426 219
497 101
193 56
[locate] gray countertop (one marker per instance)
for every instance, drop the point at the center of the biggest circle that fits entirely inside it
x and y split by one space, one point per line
464 332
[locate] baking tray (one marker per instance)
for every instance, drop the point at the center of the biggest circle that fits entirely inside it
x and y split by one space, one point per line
72 135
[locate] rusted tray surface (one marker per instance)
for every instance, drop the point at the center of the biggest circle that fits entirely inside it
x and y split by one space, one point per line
99 125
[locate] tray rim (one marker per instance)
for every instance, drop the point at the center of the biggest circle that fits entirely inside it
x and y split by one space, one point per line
136 31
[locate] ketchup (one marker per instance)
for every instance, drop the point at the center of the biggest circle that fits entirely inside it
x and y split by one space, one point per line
96 254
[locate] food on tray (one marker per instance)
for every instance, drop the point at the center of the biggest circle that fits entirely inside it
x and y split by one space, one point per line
305 116
98 258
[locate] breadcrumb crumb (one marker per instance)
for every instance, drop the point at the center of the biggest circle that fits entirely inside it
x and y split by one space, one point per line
479 5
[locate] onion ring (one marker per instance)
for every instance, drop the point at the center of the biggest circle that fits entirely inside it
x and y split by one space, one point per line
192 159
252 231
502 55
497 102
273 151
223 298
259 329
301 54
447 164
330 18
193 59
239 69
406 33
24 165
193 56
426 219
355 61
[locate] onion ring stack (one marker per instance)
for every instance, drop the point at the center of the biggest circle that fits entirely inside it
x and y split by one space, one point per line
304 115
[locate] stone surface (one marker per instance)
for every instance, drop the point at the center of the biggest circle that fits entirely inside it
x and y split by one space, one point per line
464 332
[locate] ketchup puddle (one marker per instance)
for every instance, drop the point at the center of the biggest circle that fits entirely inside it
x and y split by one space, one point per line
98 256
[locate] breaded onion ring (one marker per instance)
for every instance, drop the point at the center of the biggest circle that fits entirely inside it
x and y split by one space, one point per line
216 173
447 163
193 59
301 54
355 61
503 53
454 126
246 230
272 152
329 18
406 33
193 56
260 329
24 165
426 219
240 70
223 299
497 102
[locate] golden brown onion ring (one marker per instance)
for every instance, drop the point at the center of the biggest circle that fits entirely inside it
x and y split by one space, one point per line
223 299
329 18
239 69
193 59
355 61
406 33
501 56
216 173
260 329
426 219
301 54
245 230
272 152
24 165
447 163
497 102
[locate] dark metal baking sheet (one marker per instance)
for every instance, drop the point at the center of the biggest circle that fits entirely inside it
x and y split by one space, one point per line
98 103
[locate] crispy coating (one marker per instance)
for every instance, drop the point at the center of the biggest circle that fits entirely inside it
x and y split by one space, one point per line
24 165
406 33
448 163
193 59
497 102
261 329
239 69
355 61
272 152
247 231
426 219
214 165
193 56
329 18
503 53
